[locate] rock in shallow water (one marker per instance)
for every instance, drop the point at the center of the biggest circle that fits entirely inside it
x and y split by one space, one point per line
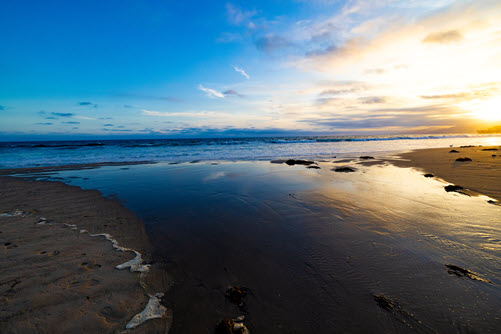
429 175
463 159
453 187
344 169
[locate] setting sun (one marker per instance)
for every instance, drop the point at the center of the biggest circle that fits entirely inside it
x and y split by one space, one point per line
486 110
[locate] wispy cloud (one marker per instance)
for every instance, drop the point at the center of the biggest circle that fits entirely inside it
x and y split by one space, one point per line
211 92
238 16
232 92
241 71
86 103
44 123
63 114
70 122
108 125
83 117
443 37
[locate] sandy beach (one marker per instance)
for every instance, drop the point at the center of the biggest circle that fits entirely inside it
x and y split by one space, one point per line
355 244
481 174
56 277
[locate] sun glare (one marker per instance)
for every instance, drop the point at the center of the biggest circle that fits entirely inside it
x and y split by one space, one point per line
489 110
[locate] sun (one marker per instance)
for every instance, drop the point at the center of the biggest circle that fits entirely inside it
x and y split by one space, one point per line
488 110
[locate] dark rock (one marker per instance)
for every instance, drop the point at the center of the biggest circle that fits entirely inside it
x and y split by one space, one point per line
344 169
453 151
453 187
385 303
237 294
489 149
366 157
461 272
313 167
428 175
466 146
463 159
493 202
225 327
494 155
292 162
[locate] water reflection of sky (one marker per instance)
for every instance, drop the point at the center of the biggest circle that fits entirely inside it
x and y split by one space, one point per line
381 228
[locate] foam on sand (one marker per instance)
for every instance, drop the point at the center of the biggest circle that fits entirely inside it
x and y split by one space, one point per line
154 309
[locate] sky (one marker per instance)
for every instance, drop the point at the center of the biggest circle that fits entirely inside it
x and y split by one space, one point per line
141 69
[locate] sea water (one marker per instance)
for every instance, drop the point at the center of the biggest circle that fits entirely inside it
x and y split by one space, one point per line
53 153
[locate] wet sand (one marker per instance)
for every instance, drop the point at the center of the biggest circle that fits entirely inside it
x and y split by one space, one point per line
378 249
482 174
57 278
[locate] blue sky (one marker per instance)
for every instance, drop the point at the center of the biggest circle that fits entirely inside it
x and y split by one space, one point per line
77 69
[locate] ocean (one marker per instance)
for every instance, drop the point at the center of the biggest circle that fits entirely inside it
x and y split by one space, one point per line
53 153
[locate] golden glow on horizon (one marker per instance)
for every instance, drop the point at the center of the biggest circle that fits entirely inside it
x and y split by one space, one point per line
488 110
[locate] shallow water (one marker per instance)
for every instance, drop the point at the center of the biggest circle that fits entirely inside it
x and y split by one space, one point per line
314 246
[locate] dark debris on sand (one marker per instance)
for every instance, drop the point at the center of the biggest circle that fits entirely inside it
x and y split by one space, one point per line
461 272
453 151
237 294
366 157
400 314
463 159
313 167
228 326
292 162
489 149
344 169
428 175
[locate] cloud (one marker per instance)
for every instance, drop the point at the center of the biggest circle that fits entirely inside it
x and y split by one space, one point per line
108 125
442 37
105 117
228 37
148 97
216 115
271 43
241 71
127 106
44 123
2 108
50 117
374 71
117 130
237 16
63 114
86 103
41 112
70 122
74 128
210 92
372 99
342 88
232 92
83 117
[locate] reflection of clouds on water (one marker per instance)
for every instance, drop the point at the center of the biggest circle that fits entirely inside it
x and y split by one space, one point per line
214 176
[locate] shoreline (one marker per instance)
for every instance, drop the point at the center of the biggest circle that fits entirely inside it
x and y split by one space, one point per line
480 175
61 268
